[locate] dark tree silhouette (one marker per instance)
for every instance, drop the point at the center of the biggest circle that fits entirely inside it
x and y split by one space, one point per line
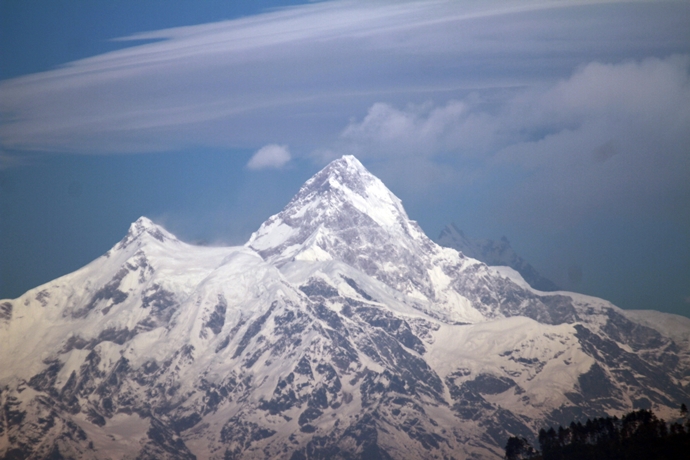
637 435
518 449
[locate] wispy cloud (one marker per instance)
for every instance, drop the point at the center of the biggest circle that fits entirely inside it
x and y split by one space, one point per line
563 95
611 138
417 130
270 156
297 75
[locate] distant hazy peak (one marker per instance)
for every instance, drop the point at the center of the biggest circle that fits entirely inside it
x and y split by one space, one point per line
452 229
494 253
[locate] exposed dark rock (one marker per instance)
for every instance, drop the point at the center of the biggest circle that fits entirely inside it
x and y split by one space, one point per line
284 397
304 368
226 341
118 336
6 311
318 287
393 325
560 309
488 384
357 289
415 429
414 374
309 415
45 380
253 329
622 330
164 443
68 394
500 295
502 424
186 422
108 292
596 384
343 353
330 317
42 297
239 434
95 418
108 390
216 320
631 370
14 415
74 342
161 302
223 344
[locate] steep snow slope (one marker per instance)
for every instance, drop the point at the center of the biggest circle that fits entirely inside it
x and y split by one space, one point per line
110 286
338 331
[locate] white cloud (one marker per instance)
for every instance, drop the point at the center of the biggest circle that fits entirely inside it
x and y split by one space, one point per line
610 137
269 156
419 130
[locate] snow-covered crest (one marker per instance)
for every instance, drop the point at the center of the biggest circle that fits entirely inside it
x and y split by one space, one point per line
145 227
343 197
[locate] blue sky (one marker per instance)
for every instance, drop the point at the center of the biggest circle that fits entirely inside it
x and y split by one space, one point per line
562 125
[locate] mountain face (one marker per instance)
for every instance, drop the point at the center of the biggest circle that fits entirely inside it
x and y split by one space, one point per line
494 253
338 331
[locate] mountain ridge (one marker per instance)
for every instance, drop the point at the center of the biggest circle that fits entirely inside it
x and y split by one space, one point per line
330 334
494 253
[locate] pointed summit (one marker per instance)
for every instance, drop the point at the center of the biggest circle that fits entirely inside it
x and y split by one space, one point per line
342 201
144 226
346 181
345 213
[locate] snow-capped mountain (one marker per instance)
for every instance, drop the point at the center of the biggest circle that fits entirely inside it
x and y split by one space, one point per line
494 253
338 331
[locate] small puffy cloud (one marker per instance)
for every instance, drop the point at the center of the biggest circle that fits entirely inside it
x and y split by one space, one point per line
270 156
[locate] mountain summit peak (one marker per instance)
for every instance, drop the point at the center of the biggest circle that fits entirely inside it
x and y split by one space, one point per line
344 213
144 226
348 161
341 209
345 168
